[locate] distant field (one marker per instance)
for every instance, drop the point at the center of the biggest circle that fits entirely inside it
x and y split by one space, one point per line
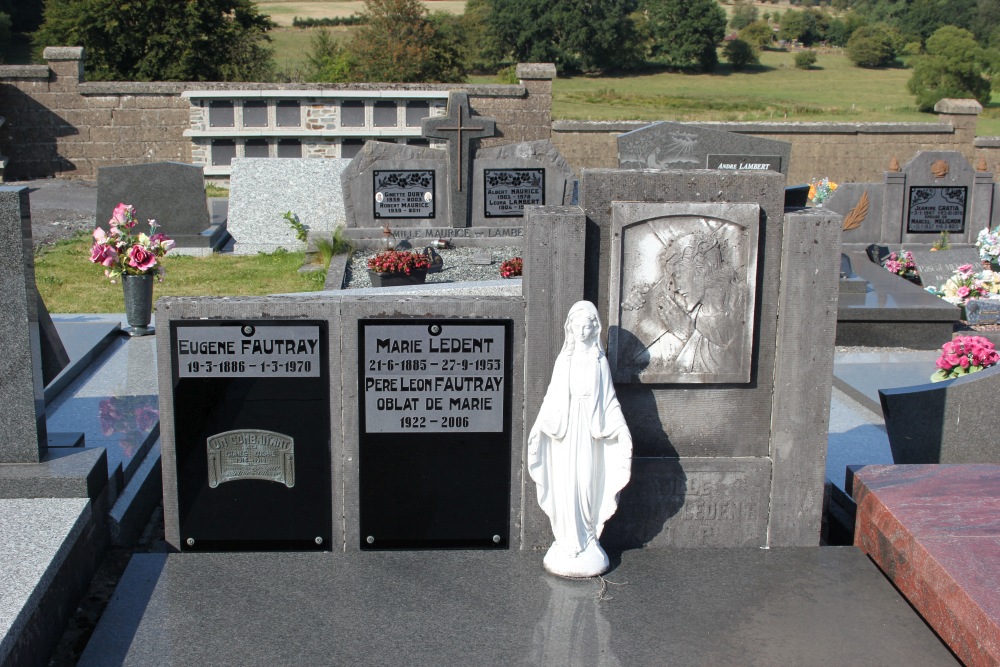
282 12
834 90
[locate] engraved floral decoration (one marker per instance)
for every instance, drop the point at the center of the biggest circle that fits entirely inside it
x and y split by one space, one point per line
124 251
963 355
131 418
514 179
902 264
398 261
820 191
403 180
988 243
512 268
966 284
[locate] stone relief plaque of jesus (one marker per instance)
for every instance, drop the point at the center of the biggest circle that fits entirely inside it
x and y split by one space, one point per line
683 288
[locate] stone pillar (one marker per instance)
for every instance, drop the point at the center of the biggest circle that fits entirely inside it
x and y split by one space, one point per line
982 204
537 80
962 115
807 309
893 205
552 282
22 412
66 65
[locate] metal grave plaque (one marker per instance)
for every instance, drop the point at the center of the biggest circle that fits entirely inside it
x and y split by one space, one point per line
247 351
936 208
434 378
744 162
250 435
508 191
251 454
435 448
403 193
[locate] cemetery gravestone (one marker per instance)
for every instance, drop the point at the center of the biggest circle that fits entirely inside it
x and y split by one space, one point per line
937 266
23 436
263 189
670 145
982 311
172 193
510 177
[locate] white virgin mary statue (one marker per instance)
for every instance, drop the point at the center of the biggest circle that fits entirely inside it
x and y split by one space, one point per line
580 449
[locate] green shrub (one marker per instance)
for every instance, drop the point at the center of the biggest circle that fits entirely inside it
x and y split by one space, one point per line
805 59
739 54
872 46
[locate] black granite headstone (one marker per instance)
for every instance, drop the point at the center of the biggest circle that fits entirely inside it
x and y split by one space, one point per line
252 434
982 311
877 253
435 433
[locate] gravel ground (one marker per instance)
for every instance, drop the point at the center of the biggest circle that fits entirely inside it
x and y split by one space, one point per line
458 266
60 208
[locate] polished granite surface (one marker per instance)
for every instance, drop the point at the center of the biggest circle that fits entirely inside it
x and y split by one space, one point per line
796 606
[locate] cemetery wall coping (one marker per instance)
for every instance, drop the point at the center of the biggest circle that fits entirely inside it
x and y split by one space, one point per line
536 71
63 53
987 142
24 72
765 128
959 106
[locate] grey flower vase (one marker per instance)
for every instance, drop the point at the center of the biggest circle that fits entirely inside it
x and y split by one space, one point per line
138 304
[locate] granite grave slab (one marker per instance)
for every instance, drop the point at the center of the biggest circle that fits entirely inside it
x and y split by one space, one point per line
933 530
943 422
508 178
262 190
816 606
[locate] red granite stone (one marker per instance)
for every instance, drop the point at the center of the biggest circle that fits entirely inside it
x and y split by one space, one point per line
935 531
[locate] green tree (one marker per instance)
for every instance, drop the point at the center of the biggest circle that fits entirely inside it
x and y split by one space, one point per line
398 42
481 48
758 34
805 59
685 33
954 66
162 40
808 26
25 15
588 35
740 54
872 46
744 13
327 60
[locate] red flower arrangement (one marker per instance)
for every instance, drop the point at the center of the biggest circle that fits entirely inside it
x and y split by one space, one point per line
512 268
963 355
398 261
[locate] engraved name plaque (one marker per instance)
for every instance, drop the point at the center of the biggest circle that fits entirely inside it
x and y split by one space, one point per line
251 454
403 193
744 162
248 351
508 191
935 209
434 378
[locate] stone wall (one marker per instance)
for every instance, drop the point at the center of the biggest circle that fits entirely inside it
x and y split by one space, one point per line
57 124
844 152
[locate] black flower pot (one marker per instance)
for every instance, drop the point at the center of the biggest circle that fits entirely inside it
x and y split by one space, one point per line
415 277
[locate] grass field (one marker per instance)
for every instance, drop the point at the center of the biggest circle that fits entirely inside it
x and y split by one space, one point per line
70 284
282 12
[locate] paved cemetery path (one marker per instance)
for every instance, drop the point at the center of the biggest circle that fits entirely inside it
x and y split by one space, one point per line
60 208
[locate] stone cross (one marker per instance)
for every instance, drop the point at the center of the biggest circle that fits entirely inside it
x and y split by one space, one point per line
459 129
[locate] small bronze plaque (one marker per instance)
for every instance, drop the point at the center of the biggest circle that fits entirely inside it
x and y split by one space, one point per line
251 454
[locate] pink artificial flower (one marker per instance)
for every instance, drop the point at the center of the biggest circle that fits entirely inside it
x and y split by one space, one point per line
963 361
163 241
102 254
140 258
120 215
99 235
965 269
963 291
893 255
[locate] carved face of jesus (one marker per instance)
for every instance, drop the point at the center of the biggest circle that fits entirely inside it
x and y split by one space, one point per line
583 328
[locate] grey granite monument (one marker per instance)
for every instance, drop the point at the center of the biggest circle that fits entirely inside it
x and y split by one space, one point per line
670 145
172 193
